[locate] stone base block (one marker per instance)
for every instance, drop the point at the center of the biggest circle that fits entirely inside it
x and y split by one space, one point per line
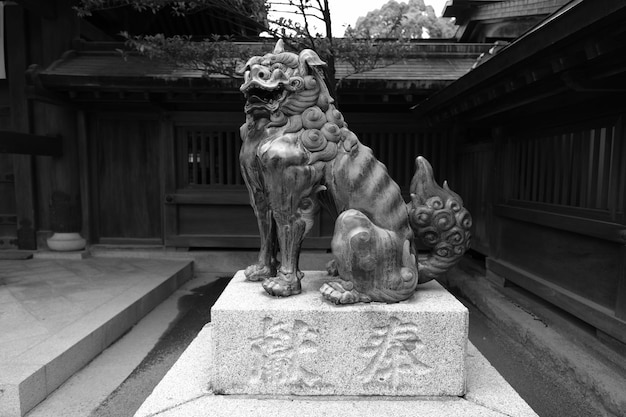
185 392
304 345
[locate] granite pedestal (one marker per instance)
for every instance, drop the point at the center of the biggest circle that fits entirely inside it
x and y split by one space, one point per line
302 356
304 345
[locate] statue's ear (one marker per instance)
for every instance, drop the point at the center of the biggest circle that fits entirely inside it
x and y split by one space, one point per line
280 47
308 58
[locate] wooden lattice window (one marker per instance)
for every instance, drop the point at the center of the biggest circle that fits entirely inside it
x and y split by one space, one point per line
209 156
583 167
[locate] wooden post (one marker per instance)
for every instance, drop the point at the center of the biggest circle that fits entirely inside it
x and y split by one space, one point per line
83 164
168 178
17 49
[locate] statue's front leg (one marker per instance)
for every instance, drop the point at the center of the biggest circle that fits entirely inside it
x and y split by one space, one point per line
265 266
290 230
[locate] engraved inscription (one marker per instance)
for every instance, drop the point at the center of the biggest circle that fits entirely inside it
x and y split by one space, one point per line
279 350
393 352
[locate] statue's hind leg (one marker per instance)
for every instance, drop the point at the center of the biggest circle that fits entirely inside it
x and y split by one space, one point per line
354 249
374 264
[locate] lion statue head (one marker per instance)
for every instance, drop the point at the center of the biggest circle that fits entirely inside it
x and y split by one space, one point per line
282 84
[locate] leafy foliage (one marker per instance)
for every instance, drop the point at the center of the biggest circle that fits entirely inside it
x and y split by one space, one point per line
412 20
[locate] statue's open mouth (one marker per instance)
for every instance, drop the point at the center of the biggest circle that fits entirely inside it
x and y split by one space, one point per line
261 95
259 98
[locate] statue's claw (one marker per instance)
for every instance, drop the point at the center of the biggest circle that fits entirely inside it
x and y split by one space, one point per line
258 272
332 268
342 292
283 285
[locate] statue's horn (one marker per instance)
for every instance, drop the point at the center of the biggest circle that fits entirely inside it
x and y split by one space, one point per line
280 47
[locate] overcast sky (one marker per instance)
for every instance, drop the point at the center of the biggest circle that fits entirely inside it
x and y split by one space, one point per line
346 12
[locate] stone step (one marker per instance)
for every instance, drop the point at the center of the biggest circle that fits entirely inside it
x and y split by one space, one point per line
58 314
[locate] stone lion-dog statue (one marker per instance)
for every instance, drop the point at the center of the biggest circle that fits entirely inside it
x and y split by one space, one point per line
298 154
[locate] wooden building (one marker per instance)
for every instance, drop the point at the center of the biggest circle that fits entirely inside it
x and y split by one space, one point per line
541 152
147 151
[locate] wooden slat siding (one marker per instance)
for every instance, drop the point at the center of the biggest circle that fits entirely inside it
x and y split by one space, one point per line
557 168
575 168
592 177
584 168
223 167
212 157
535 170
203 159
606 168
194 158
574 197
237 141
230 159
409 160
562 173
613 183
620 138
600 171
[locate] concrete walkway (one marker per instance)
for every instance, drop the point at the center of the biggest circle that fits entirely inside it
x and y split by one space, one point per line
56 315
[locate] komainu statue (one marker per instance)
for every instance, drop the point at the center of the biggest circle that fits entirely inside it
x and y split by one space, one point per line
298 155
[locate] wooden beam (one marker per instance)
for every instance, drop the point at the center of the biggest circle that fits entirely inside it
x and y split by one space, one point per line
590 312
30 144
613 232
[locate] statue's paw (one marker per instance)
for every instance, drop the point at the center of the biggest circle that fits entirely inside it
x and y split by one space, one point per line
258 272
332 268
283 285
342 292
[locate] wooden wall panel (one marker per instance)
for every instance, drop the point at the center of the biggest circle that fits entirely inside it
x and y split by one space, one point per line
585 266
126 177
59 173
476 183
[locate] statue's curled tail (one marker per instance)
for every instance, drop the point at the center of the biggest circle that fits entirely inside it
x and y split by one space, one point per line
439 221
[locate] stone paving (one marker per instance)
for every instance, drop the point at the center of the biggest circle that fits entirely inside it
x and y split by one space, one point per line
57 314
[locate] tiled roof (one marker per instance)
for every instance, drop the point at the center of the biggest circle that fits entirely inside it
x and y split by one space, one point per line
110 70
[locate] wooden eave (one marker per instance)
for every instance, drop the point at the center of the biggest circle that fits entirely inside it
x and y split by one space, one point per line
105 74
576 53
